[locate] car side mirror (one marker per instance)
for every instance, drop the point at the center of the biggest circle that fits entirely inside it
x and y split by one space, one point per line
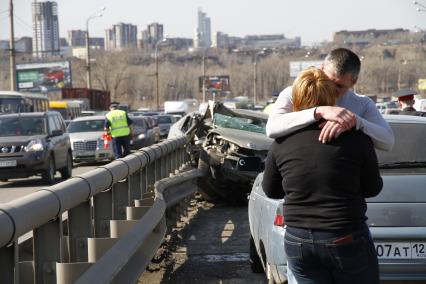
57 132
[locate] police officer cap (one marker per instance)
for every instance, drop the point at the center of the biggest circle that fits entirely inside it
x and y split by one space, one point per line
405 94
114 104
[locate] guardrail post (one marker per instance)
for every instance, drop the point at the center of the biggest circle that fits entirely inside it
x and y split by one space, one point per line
102 213
157 169
47 242
79 229
143 181
150 175
8 263
134 186
120 200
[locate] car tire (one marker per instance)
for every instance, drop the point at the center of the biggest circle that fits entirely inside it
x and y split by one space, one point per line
48 174
255 262
66 172
206 188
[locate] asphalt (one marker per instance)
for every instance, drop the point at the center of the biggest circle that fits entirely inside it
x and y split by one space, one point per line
211 245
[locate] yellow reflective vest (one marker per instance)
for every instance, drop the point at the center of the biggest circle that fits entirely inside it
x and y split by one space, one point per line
118 123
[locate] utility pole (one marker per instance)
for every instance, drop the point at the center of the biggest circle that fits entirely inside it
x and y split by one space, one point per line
204 78
12 50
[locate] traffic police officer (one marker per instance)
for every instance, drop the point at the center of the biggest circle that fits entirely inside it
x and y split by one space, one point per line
117 124
406 102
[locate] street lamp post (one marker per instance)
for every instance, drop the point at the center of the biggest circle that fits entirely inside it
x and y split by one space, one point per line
157 79
255 76
88 75
420 6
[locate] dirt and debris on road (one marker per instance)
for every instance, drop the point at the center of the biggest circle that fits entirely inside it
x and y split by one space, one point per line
210 245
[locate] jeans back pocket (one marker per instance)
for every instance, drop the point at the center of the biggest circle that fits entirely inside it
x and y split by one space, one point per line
350 257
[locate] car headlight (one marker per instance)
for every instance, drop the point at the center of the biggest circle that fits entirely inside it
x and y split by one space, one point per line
141 136
34 146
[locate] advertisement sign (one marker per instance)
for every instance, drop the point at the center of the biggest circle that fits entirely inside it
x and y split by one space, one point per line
43 77
298 66
215 84
422 84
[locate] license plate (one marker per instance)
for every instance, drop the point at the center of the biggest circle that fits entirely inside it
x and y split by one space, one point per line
8 163
400 250
84 153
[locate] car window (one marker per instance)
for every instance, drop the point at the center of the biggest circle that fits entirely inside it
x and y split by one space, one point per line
21 126
60 121
406 150
139 123
164 119
240 123
53 124
86 126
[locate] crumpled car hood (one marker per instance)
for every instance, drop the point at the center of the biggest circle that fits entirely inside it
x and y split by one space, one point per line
245 139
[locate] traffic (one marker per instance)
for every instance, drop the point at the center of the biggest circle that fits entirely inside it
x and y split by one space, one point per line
229 146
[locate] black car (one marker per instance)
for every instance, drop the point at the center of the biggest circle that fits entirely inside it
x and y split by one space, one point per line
142 135
34 143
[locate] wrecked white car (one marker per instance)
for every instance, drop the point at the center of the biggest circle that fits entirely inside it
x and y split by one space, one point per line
229 146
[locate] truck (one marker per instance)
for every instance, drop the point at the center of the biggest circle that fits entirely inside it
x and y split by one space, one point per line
176 107
97 99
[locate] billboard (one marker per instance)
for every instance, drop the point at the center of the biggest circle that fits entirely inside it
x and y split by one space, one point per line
43 77
422 84
215 84
297 66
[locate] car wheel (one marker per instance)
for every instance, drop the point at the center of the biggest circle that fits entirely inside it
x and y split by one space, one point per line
66 172
255 262
48 175
205 185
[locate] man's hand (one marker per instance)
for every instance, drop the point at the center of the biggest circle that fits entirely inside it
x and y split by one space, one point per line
340 115
338 120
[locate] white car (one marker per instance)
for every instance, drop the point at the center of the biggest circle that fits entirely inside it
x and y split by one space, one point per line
86 140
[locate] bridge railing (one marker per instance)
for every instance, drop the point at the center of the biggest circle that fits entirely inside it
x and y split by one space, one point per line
104 225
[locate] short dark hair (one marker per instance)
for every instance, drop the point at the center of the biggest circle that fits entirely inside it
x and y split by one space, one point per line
344 62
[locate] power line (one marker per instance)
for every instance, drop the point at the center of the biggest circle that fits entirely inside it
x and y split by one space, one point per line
23 24
22 21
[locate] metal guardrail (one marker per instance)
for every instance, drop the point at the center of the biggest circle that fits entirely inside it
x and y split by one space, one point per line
116 220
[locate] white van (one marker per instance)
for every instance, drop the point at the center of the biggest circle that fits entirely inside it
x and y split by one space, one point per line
420 104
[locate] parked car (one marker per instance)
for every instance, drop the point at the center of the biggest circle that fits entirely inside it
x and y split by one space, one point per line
153 128
164 121
32 144
86 140
229 146
142 136
396 217
388 107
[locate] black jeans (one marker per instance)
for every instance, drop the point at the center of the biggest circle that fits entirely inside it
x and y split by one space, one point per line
343 256
121 146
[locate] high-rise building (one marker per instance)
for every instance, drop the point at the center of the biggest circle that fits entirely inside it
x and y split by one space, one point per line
155 31
45 28
203 37
76 38
121 36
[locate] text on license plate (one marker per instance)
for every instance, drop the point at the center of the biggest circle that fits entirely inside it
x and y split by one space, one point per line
85 153
401 250
7 163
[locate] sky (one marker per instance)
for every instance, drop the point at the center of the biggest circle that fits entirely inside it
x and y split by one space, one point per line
313 20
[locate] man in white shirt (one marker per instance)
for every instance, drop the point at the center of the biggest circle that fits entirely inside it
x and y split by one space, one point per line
342 66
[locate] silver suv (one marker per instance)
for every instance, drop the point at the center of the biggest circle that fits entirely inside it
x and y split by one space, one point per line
34 143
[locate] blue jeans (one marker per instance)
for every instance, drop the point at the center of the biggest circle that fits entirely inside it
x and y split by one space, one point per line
343 256
121 146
